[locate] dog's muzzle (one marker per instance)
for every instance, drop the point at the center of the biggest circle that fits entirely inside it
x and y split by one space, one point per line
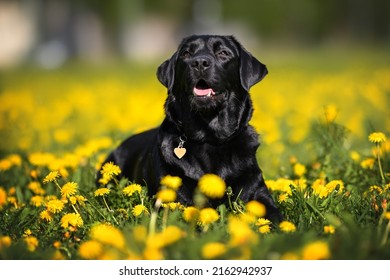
203 89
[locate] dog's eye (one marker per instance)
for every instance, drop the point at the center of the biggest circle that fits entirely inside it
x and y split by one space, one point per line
223 53
185 54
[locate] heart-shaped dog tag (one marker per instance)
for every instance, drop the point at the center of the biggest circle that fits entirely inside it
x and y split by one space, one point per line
179 152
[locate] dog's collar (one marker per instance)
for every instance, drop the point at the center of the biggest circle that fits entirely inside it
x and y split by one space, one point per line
183 138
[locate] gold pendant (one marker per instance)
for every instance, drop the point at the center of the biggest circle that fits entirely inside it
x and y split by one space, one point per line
180 151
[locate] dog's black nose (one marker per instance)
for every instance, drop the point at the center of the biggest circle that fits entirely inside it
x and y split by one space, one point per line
201 63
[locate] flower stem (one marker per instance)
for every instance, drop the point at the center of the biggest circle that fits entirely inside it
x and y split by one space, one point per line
58 185
165 217
379 163
105 203
74 208
110 211
153 218
386 234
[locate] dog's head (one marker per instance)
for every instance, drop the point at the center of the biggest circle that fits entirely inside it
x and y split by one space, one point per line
207 74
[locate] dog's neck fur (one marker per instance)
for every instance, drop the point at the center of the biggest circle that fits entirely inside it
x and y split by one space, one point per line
206 127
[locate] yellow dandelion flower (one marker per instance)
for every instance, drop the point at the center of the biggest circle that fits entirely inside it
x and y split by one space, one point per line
104 180
287 226
51 177
77 199
265 229
55 206
332 185
376 189
90 250
256 208
50 197
283 197
190 214
3 197
57 244
36 188
289 256
299 169
34 174
73 200
247 218
46 215
318 250
355 156
213 250
108 234
37 200
240 232
80 200
166 195
131 189
170 235
31 243
155 241
172 182
27 232
109 170
319 188
377 137
281 185
139 209
69 189
264 225
73 219
300 184
57 255
368 163
173 205
387 215
5 241
293 159
15 159
329 229
140 233
208 216
12 200
63 172
5 164
41 159
330 112
101 192
12 191
212 186
152 253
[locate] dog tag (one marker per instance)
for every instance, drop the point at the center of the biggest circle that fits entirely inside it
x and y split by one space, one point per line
179 152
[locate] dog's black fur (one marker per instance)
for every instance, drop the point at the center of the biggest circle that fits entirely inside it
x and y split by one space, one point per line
218 138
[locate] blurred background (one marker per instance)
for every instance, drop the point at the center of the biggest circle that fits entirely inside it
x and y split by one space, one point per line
50 32
77 77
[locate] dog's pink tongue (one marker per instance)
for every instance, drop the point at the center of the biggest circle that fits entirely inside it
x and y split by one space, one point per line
203 92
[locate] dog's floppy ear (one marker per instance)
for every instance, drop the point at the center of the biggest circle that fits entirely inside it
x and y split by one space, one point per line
166 72
252 71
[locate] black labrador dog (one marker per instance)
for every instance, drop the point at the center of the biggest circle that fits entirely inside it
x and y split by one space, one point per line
206 126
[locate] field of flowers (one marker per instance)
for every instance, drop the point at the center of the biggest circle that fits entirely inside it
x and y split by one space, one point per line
324 126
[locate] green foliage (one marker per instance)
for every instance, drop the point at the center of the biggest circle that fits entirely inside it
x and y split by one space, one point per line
335 202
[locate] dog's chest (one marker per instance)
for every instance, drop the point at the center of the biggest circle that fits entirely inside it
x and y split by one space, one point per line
200 158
